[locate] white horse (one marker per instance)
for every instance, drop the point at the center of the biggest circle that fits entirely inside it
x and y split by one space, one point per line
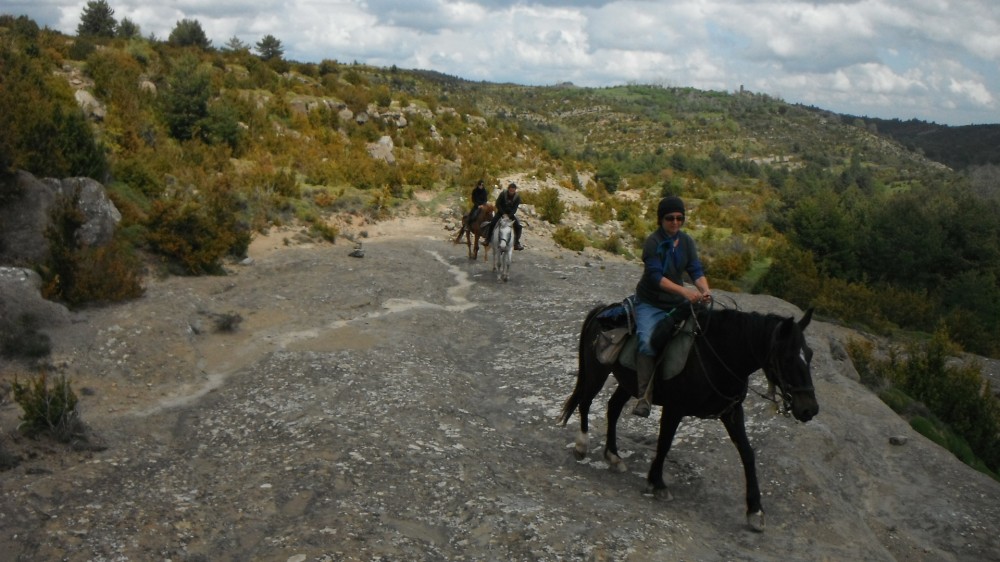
502 245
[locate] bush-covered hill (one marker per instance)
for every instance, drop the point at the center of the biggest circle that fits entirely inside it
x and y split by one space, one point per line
958 147
200 147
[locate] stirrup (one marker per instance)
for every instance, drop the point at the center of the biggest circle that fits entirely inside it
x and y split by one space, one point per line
642 408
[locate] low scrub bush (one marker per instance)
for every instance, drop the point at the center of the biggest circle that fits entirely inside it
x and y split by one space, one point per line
569 239
76 274
187 233
548 205
613 244
600 212
48 409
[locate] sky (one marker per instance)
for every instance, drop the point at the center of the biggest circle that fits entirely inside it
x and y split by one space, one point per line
933 60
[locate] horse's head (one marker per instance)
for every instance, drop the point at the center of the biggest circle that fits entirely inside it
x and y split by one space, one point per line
787 367
504 229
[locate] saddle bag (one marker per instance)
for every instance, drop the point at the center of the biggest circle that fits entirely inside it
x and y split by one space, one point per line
617 322
609 344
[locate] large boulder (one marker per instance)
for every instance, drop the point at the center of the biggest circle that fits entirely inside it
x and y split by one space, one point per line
21 302
25 217
382 150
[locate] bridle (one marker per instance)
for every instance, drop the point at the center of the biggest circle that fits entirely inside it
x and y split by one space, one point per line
775 374
505 232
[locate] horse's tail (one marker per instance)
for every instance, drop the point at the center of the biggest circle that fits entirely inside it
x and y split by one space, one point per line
574 399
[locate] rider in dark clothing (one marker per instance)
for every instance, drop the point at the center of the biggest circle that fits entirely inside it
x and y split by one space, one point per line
507 204
479 197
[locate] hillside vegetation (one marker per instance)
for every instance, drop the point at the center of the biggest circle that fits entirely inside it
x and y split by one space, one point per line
200 147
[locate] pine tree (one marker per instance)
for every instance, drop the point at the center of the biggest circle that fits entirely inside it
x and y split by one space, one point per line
270 48
188 33
97 20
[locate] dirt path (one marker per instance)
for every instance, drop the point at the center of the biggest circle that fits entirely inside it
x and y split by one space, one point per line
401 406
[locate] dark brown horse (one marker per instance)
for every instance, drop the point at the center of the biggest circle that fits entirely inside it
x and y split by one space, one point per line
478 229
729 346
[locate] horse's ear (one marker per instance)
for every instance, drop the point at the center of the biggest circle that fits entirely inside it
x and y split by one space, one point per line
806 319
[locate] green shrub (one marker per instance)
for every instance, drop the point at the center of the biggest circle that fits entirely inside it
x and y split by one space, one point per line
325 231
613 244
43 129
77 274
548 205
925 384
191 234
48 410
110 273
139 175
925 427
569 239
81 49
600 212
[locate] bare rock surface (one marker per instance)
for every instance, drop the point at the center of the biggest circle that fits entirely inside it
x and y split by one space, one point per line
402 406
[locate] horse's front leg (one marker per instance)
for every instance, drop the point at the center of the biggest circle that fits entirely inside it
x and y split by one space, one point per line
615 405
669 421
735 425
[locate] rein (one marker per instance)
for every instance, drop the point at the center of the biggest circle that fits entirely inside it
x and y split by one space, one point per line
768 365
733 400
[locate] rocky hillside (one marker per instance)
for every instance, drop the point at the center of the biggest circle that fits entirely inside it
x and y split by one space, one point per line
401 406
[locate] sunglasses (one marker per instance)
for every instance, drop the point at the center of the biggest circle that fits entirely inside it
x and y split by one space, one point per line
673 218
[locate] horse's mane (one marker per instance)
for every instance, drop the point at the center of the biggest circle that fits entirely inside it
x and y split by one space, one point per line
730 323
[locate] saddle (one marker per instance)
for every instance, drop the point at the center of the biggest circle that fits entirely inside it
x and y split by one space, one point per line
616 341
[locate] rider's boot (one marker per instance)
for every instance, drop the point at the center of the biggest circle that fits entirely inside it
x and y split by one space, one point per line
645 365
517 241
486 239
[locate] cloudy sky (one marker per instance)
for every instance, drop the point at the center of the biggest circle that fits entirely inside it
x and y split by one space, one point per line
935 60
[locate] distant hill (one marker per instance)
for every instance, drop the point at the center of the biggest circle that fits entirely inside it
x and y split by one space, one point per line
956 147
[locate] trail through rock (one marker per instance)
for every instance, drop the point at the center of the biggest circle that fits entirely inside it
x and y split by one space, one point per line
402 406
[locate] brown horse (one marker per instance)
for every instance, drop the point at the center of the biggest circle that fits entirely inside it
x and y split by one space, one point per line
483 219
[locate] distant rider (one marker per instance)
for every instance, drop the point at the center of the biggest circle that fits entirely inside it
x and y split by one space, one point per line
507 204
479 197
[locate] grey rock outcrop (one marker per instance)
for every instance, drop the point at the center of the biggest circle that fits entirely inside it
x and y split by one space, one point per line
21 297
382 150
25 218
94 109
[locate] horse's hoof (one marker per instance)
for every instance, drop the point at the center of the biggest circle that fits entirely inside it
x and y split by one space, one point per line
615 463
660 494
756 521
580 453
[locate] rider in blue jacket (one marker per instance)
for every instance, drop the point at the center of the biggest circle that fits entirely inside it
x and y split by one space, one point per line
661 295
